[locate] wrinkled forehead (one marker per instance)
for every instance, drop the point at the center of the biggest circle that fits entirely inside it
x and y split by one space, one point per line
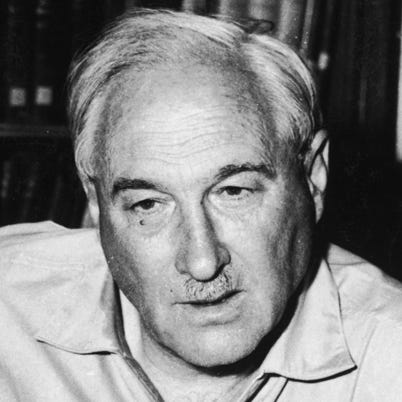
197 98
169 88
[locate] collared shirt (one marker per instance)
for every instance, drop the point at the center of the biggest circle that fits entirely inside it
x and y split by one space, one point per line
62 333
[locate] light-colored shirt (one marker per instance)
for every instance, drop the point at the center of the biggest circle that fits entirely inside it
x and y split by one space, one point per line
62 335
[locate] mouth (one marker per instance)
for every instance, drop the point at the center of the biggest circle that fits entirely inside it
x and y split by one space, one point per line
213 310
215 301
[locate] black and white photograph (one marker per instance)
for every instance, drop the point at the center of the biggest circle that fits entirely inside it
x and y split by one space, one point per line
200 201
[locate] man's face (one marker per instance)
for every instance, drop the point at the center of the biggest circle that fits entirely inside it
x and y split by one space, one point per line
205 238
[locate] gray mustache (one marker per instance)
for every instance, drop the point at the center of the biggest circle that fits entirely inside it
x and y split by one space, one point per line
208 291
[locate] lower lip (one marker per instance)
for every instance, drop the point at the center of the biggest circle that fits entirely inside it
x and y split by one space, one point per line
216 313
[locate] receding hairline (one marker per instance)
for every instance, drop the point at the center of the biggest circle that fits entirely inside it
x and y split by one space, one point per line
131 88
168 36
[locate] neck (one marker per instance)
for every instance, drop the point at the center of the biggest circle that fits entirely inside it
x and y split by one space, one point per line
178 381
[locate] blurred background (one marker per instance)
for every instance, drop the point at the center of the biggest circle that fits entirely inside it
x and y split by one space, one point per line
353 48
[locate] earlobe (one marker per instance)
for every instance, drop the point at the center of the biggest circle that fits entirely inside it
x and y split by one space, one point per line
93 205
317 170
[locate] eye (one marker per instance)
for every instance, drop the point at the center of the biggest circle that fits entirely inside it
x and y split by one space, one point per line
145 207
235 193
236 197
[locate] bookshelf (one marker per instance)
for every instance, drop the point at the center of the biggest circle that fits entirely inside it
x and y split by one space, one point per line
21 131
37 40
341 40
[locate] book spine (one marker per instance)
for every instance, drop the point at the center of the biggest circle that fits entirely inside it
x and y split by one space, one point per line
50 62
378 83
166 4
30 189
14 178
67 200
233 9
263 10
89 16
17 60
58 194
309 30
290 22
129 4
5 190
399 110
194 6
341 96
3 41
326 36
262 16
44 71
82 25
111 9
325 46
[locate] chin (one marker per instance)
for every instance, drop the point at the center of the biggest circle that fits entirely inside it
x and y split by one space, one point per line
217 349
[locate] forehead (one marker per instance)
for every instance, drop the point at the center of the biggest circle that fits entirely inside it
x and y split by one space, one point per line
181 111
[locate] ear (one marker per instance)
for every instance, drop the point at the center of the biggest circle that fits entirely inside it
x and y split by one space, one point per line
93 205
316 165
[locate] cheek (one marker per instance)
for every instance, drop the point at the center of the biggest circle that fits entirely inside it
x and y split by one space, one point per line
140 265
273 242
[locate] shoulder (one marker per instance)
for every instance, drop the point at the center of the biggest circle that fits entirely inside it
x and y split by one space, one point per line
363 288
31 250
41 263
48 240
371 310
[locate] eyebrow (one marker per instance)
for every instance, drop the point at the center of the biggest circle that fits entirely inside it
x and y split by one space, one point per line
231 170
122 183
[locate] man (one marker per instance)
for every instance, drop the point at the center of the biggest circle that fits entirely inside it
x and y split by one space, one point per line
198 147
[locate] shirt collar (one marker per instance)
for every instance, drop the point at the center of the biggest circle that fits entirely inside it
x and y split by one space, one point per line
86 318
313 345
85 315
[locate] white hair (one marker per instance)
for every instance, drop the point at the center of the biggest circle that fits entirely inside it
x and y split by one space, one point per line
141 40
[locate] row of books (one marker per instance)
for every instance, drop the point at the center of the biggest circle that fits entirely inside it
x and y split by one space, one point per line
39 37
38 182
37 40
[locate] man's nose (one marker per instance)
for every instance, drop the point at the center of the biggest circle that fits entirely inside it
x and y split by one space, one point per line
201 254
